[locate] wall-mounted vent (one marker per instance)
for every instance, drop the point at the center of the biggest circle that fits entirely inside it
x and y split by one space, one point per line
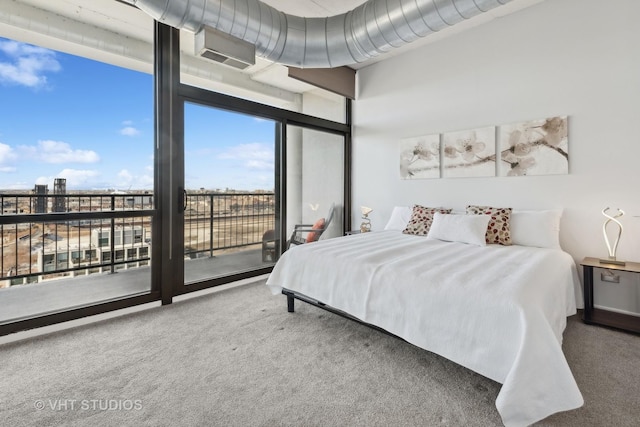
224 48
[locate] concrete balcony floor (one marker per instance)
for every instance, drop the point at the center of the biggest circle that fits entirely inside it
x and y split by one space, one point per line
51 296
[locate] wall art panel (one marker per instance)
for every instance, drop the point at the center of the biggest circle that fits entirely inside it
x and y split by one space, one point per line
420 157
536 147
470 153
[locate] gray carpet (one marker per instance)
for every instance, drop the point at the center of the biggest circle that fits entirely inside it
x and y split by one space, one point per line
237 358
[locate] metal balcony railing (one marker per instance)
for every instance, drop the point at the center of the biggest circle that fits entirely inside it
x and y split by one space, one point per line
52 235
219 221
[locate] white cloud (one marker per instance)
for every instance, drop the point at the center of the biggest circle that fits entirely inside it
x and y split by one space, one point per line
125 175
259 165
255 155
129 131
6 155
145 181
6 152
76 178
18 186
49 151
27 64
44 180
126 180
128 128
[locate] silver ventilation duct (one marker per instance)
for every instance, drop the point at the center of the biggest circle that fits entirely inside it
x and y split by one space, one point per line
367 31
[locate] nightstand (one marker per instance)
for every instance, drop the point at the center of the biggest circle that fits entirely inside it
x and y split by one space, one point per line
598 316
350 232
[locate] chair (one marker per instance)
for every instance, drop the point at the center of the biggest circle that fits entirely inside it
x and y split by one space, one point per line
307 233
269 246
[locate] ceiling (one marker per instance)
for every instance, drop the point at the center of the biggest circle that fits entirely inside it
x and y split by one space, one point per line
64 24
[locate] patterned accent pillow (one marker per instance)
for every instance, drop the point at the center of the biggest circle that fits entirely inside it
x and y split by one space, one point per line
421 219
498 231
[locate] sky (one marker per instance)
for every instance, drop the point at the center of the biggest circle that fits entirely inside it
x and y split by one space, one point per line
62 116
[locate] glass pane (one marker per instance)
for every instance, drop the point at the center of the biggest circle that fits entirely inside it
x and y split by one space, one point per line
75 138
315 185
230 201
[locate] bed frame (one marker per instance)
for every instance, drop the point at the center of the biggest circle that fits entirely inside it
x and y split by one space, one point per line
292 296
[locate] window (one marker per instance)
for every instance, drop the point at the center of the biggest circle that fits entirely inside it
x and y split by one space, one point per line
63 260
48 261
90 255
103 239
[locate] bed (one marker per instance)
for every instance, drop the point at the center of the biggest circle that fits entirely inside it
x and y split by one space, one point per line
497 310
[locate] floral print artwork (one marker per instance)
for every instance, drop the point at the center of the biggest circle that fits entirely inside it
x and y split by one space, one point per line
537 147
420 157
470 153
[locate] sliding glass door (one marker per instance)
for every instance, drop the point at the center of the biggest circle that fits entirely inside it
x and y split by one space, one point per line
315 176
229 193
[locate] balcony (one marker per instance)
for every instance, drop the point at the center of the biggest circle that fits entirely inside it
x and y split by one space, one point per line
62 251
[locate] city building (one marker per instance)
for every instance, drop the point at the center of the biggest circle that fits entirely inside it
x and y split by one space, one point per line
59 198
40 199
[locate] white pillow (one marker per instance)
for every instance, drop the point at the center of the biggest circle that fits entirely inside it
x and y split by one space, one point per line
469 229
400 216
540 229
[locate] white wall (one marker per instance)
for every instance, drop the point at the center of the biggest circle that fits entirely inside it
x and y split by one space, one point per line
562 57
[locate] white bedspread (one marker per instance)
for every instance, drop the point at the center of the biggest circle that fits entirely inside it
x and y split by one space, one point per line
497 310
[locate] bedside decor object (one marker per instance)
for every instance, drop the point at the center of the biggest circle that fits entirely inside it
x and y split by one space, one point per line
612 250
366 222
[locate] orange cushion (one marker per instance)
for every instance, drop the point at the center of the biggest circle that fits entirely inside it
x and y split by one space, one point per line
311 237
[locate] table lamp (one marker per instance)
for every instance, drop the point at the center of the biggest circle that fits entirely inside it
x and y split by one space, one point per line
366 222
612 249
